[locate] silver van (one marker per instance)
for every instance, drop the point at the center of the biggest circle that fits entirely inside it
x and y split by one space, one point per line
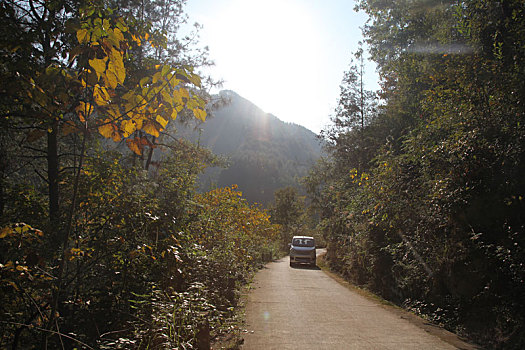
302 250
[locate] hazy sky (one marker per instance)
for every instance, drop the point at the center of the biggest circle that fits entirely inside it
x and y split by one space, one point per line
286 56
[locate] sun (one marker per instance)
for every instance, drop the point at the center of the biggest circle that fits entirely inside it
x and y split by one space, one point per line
266 47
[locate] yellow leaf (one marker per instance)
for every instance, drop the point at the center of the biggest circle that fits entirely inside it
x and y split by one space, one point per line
121 25
199 114
195 79
161 121
173 113
128 127
173 80
143 81
150 127
118 34
192 104
165 70
139 121
82 36
133 145
120 72
5 231
106 129
166 96
84 111
156 77
115 55
100 95
117 137
117 64
184 93
23 228
113 111
136 39
110 78
99 65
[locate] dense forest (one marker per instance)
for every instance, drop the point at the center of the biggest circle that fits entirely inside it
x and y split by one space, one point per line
103 243
422 199
261 153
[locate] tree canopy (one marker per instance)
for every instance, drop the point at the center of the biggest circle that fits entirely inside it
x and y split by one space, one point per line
424 202
102 244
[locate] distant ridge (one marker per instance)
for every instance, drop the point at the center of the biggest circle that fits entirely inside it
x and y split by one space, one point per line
265 153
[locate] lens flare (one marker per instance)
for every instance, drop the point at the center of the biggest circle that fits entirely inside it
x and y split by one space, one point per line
266 315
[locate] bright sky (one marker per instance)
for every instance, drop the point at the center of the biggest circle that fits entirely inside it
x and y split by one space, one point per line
285 56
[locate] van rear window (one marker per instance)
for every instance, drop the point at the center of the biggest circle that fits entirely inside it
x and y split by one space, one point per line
303 242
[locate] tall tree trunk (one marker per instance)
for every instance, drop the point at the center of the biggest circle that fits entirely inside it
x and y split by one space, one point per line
150 154
52 176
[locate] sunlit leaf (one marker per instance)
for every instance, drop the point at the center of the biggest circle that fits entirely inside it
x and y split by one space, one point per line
116 136
82 36
143 81
195 80
134 146
161 121
84 110
173 113
151 128
156 77
100 95
99 65
117 65
110 77
118 34
128 127
199 114
106 129
5 231
165 70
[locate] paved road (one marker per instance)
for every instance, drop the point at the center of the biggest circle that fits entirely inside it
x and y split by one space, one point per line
304 308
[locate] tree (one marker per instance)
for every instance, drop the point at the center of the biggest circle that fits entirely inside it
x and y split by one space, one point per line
355 110
432 219
79 84
286 211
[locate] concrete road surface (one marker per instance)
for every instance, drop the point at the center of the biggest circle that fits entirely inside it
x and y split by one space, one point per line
304 308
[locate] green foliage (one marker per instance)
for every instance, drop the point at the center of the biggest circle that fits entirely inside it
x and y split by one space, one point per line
101 244
431 214
165 261
287 211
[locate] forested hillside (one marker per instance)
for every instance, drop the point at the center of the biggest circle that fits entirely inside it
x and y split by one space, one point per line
263 153
422 199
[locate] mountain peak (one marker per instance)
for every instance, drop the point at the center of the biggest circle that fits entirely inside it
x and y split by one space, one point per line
265 153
